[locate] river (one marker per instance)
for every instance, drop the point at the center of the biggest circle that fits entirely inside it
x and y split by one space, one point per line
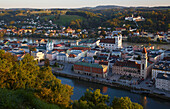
125 44
81 86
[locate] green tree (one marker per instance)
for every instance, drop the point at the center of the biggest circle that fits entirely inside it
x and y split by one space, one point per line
92 100
124 103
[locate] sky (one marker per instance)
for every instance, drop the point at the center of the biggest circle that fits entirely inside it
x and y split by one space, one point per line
78 3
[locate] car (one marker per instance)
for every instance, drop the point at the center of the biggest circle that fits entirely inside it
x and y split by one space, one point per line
147 83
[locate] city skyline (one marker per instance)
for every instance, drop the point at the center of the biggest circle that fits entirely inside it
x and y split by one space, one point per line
78 3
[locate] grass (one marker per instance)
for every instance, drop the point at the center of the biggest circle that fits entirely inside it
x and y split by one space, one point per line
39 12
22 99
66 19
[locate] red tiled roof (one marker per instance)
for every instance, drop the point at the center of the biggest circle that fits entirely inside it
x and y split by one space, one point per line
72 55
127 64
57 45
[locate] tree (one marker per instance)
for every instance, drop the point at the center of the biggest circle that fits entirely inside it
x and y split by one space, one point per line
32 49
92 100
26 74
124 103
12 22
47 62
33 30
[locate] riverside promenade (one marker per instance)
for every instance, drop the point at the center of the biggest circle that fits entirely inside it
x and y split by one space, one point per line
140 89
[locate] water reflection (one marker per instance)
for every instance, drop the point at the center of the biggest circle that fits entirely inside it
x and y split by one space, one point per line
144 101
104 89
81 86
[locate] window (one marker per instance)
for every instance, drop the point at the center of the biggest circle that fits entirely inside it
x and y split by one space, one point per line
143 66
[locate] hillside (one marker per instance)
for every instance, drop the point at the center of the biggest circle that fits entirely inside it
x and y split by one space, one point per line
63 19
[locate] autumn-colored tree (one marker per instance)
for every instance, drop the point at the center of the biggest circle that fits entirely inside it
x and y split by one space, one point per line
124 103
26 74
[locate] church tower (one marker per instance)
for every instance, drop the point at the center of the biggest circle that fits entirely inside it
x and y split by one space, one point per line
143 68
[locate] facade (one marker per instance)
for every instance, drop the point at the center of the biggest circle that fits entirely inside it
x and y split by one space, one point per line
163 81
90 69
132 68
51 55
62 57
112 43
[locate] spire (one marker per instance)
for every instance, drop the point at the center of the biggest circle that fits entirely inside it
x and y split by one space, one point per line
144 50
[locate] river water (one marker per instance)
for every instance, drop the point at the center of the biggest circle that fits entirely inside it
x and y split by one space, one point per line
125 44
81 86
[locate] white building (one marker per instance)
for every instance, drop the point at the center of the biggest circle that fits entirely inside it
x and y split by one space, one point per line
38 55
63 57
74 56
112 43
163 81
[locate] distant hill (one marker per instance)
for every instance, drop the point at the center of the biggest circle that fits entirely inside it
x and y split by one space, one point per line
102 7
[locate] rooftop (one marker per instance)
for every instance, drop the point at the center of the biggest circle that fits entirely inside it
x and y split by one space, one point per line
108 40
162 66
163 76
90 65
131 64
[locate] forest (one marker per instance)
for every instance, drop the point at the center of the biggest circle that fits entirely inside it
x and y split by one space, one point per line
156 19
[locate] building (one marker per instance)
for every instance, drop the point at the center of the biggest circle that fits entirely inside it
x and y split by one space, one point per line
112 43
63 57
49 45
163 81
167 53
161 67
92 53
38 55
116 53
90 69
90 43
51 55
132 68
168 36
76 52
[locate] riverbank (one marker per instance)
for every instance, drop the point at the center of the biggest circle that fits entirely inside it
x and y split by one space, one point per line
168 43
69 38
132 89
